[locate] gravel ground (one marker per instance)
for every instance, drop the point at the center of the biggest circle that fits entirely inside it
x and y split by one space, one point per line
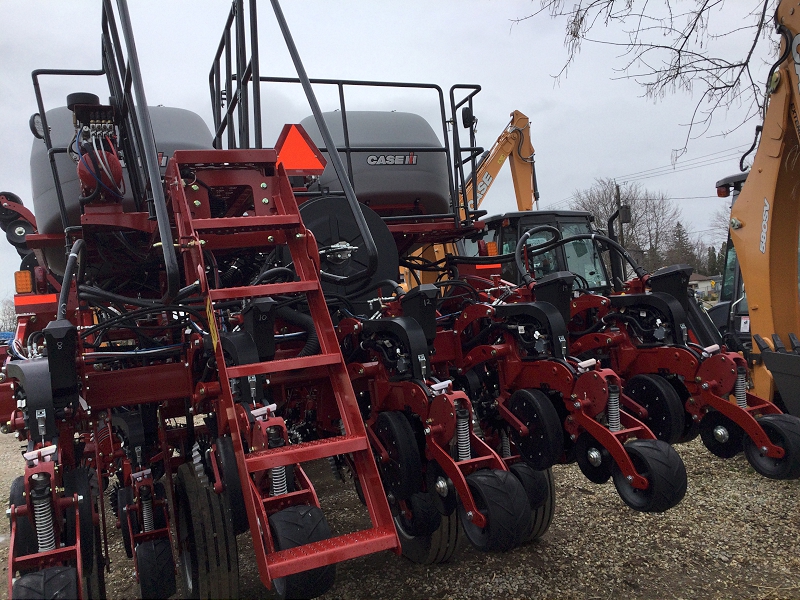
735 535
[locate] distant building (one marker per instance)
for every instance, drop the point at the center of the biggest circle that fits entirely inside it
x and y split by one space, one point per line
705 287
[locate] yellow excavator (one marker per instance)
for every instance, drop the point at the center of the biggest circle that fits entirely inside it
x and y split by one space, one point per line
765 228
513 144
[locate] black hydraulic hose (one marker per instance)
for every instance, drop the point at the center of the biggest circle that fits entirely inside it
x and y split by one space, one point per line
151 156
69 273
336 161
283 272
306 323
550 245
90 291
526 277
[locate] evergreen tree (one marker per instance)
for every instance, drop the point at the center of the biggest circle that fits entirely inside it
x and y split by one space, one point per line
680 249
711 262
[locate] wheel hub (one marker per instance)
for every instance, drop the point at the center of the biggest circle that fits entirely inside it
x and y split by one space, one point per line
721 434
594 457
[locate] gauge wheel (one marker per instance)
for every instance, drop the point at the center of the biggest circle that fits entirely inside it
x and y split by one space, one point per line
665 412
544 445
402 474
593 458
721 436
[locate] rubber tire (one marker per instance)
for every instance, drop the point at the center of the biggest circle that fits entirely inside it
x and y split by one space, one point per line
76 481
124 498
501 498
402 476
665 410
233 486
601 473
427 517
663 468
439 547
25 542
297 526
207 542
735 443
156 569
784 431
544 445
541 492
55 583
691 427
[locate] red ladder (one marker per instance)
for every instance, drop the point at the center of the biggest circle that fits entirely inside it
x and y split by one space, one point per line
241 176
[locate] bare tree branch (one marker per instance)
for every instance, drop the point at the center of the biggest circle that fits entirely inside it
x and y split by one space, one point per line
666 51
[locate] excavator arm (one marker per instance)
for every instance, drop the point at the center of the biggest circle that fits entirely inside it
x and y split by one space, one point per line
514 143
765 221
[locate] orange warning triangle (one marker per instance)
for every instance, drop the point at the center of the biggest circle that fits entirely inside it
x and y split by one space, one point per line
297 153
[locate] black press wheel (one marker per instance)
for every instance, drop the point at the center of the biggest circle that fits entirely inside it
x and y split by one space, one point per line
55 583
593 459
500 497
664 470
541 495
297 526
721 435
544 444
783 431
156 569
233 486
665 412
691 424
25 542
206 541
402 475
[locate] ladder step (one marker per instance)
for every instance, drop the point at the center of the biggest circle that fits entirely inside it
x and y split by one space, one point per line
326 552
305 451
286 364
250 223
267 289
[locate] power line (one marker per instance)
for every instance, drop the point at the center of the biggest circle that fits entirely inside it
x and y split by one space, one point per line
687 162
686 168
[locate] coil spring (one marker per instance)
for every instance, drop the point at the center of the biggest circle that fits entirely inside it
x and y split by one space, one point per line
278 484
741 387
462 434
147 512
613 408
505 444
43 516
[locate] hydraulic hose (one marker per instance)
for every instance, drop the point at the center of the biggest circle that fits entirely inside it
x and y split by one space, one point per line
526 277
306 323
69 273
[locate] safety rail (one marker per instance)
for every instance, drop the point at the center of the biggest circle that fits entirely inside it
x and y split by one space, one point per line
236 105
121 68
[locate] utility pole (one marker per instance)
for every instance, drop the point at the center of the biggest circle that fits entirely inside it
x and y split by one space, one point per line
621 238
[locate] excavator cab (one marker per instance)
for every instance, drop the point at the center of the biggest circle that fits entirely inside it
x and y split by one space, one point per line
580 257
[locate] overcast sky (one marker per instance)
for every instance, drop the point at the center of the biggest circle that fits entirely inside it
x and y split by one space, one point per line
585 127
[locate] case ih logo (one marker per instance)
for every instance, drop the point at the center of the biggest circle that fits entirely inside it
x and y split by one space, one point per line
392 159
